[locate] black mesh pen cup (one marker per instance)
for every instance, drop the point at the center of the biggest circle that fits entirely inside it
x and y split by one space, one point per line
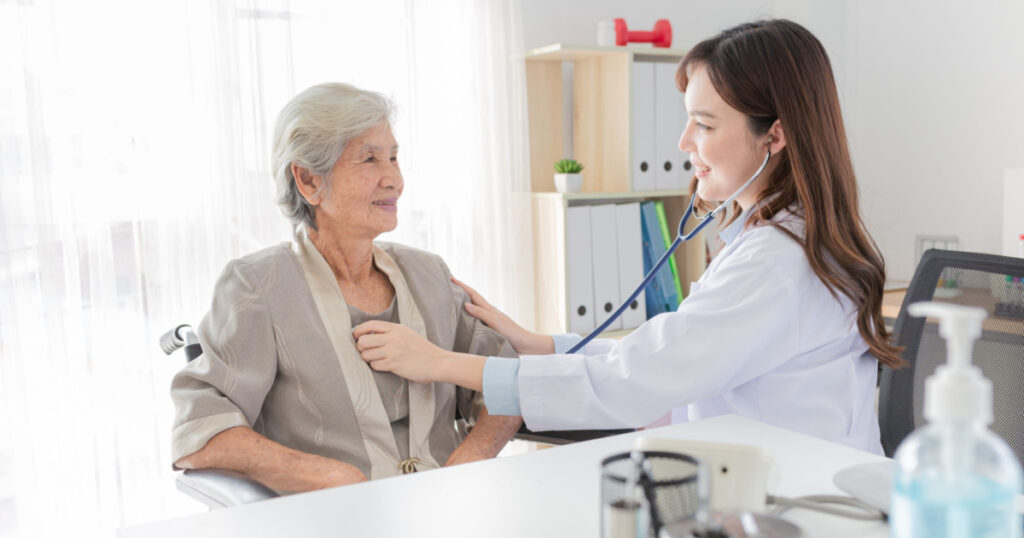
668 486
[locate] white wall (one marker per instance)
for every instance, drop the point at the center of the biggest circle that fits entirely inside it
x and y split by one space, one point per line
935 117
932 93
1013 213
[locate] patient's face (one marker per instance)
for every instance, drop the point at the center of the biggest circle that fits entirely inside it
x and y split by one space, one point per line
366 185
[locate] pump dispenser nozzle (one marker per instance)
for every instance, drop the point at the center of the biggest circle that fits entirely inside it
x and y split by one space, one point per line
957 390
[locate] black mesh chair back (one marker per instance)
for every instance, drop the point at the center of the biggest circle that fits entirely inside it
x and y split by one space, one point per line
995 283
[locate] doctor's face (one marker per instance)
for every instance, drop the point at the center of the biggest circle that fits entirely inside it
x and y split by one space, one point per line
722 148
366 183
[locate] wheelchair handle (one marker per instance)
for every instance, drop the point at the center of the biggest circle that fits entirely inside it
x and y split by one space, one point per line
176 338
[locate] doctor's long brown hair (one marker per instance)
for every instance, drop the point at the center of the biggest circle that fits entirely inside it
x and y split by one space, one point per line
777 69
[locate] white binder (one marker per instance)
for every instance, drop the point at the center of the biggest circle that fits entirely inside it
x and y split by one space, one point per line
688 169
631 263
579 279
605 263
668 127
641 98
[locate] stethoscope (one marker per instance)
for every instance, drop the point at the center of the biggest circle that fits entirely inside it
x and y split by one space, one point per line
680 237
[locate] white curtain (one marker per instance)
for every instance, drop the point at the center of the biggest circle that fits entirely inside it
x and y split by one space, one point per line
134 164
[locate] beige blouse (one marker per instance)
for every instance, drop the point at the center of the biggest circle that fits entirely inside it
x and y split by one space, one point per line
394 390
278 356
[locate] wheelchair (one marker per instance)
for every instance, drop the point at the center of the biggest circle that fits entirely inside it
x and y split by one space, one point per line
216 488
221 488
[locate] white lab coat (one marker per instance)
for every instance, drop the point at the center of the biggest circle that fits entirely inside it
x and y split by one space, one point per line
758 336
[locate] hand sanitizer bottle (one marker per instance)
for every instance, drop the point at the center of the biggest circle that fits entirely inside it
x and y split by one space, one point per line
954 477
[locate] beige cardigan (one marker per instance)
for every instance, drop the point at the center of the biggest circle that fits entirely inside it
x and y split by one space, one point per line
278 356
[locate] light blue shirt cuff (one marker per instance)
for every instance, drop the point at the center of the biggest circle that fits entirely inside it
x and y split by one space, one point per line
501 386
564 342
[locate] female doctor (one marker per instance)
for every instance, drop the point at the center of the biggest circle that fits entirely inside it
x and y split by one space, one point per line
785 324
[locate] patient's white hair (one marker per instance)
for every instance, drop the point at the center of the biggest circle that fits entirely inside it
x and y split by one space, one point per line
312 130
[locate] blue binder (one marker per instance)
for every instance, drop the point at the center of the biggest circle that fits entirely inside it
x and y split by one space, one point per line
661 293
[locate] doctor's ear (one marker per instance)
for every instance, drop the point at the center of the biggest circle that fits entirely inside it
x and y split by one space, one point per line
776 139
309 184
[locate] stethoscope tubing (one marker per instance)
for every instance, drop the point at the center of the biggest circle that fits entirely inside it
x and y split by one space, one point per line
702 222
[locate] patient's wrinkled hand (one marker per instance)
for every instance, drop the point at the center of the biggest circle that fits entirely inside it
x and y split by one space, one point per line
389 347
338 473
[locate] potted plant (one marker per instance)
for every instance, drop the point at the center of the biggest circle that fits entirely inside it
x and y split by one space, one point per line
567 176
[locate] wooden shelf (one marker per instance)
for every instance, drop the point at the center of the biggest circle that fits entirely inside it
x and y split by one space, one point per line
609 196
602 126
601 118
562 52
551 271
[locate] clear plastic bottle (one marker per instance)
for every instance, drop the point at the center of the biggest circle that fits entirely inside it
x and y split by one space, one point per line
954 477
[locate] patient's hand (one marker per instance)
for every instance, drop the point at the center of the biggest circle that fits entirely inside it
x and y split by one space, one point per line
525 342
389 347
486 439
340 474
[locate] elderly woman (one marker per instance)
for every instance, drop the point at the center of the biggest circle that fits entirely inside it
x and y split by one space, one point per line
280 393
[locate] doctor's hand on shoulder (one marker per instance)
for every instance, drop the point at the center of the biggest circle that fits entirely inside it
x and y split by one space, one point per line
523 341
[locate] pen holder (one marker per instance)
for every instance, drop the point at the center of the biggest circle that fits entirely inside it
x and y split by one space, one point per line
638 506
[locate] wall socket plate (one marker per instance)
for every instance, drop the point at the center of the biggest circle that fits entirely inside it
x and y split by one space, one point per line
928 242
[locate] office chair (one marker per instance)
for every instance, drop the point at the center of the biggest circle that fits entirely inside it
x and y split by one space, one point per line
965 278
216 488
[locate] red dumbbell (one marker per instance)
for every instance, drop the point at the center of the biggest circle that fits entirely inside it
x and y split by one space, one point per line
660 37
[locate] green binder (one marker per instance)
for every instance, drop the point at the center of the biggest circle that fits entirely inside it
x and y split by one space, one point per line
659 207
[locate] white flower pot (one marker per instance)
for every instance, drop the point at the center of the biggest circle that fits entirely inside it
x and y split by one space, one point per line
568 182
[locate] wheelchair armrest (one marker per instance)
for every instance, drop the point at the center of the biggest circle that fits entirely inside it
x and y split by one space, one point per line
217 488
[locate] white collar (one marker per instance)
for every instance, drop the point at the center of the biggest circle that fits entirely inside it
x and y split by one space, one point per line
730 232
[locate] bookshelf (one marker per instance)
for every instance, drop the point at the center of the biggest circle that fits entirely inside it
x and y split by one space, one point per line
602 141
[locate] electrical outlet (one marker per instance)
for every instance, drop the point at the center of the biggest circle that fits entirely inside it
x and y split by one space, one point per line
941 242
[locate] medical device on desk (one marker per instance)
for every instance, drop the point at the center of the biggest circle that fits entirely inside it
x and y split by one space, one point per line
681 488
740 475
702 222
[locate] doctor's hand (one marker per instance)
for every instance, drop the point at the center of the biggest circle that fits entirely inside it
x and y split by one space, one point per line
525 342
389 347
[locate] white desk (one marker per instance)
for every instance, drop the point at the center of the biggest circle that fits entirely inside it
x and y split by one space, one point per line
553 492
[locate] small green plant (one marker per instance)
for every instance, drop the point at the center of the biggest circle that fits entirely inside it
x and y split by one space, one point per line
568 166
